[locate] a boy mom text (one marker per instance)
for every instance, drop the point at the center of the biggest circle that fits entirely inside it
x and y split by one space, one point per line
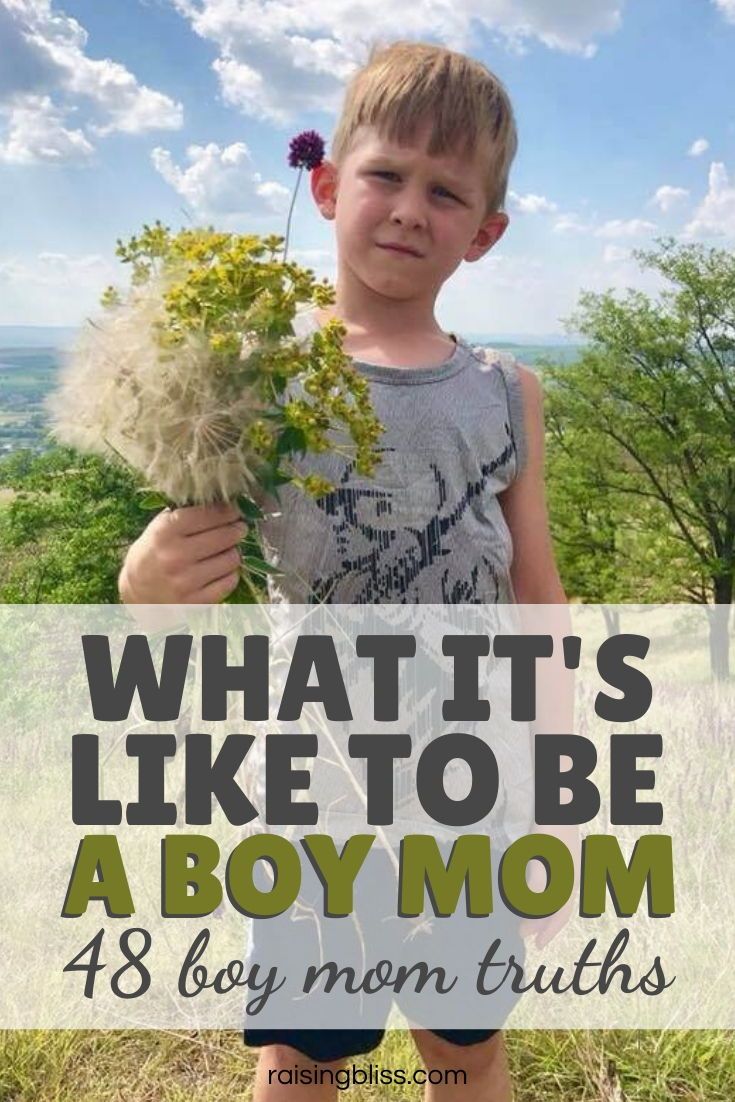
563 763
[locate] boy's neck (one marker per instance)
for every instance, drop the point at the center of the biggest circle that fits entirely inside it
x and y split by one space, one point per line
364 311
390 330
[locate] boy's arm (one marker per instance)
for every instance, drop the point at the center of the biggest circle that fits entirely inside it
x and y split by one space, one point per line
533 571
536 581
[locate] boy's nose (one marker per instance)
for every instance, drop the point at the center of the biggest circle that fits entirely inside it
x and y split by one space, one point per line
408 216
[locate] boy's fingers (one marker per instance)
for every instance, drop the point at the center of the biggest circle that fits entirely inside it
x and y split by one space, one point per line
213 593
533 930
204 545
211 569
191 519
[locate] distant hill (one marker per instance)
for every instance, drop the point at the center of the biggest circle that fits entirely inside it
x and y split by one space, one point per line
36 336
510 340
54 336
532 354
30 357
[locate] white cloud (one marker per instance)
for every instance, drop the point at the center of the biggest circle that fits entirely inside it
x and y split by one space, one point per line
221 181
128 107
278 60
504 293
570 223
633 227
715 216
51 67
727 7
56 267
244 88
53 288
666 197
316 256
698 147
35 132
512 294
531 204
614 254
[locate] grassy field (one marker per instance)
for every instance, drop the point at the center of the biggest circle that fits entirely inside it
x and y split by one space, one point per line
209 1066
548 1066
26 377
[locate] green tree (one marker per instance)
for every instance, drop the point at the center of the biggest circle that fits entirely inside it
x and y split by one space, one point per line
64 533
606 551
644 429
585 518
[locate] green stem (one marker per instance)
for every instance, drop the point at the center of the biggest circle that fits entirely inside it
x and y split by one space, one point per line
288 222
248 591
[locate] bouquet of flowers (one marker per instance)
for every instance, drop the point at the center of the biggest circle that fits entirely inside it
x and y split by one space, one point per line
195 380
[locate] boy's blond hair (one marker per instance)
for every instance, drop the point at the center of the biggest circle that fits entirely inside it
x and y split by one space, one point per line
407 83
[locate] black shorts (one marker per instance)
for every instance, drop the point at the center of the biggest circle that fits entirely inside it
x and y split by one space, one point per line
288 944
339 1044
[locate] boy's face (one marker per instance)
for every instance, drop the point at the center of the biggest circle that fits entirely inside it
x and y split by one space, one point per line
387 194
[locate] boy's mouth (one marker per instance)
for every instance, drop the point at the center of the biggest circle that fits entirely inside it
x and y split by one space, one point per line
404 249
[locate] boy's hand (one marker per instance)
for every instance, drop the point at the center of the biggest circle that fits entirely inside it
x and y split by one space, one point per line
543 930
185 556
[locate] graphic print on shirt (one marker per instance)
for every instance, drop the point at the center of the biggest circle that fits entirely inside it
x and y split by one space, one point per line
383 559
427 528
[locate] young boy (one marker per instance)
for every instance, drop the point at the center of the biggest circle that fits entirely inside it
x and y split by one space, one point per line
456 511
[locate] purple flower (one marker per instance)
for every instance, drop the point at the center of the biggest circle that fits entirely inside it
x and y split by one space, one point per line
306 150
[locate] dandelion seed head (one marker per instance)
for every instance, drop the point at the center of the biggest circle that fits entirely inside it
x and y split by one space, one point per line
165 412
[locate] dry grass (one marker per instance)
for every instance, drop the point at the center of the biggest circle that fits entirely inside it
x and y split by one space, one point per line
548 1066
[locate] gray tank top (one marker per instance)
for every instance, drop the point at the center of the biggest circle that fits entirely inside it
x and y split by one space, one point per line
427 527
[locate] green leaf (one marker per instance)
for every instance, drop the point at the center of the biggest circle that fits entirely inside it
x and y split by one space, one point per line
249 509
151 499
273 477
256 565
246 593
291 440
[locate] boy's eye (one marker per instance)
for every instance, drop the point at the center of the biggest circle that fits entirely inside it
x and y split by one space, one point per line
385 172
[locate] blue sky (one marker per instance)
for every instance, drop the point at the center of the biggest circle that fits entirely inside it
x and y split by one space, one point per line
116 113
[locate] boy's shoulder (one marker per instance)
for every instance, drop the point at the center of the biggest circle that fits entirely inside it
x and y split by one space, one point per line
489 358
523 390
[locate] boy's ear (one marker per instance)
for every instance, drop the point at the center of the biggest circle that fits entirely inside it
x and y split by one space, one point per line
324 188
491 230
